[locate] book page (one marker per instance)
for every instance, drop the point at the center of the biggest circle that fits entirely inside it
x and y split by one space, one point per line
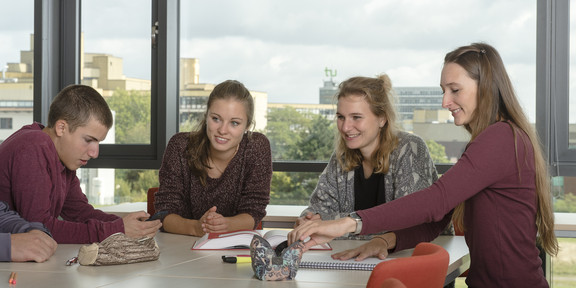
275 237
241 239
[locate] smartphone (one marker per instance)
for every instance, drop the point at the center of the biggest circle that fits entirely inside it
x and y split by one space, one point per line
158 215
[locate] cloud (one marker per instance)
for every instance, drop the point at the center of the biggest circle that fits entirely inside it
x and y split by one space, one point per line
283 47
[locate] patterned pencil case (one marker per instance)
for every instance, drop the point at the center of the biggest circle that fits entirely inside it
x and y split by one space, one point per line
119 249
280 263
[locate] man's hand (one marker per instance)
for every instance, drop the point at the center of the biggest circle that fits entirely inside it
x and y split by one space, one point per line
135 227
34 245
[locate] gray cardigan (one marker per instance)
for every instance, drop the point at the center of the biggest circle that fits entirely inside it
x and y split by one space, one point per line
411 170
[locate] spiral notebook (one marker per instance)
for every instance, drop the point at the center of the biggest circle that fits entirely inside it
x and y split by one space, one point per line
325 261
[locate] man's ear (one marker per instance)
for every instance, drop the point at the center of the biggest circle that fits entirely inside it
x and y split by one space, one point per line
60 127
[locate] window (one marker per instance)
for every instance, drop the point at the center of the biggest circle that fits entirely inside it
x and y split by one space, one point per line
5 123
16 66
293 54
116 60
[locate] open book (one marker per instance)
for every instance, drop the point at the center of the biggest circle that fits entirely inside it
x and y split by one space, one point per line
325 261
241 240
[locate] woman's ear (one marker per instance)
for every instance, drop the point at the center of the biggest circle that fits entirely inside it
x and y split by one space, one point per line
382 122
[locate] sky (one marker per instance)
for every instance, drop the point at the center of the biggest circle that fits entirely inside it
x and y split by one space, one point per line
283 47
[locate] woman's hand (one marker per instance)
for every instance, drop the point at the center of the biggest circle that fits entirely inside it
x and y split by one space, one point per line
321 232
377 247
308 217
214 222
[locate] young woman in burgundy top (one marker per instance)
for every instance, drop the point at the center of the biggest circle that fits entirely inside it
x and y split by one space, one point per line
498 191
217 178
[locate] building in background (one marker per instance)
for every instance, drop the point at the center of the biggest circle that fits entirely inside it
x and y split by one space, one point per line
419 108
194 96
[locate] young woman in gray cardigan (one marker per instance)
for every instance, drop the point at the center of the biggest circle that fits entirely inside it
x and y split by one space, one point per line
374 163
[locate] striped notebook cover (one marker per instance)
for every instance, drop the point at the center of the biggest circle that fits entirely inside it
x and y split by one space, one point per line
325 261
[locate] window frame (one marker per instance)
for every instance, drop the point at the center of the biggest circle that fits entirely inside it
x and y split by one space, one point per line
57 26
552 85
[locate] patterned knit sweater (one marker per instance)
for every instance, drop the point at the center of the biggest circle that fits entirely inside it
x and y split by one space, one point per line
244 187
411 169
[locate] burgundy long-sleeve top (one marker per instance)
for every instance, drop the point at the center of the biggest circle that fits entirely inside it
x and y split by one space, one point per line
40 188
496 178
244 187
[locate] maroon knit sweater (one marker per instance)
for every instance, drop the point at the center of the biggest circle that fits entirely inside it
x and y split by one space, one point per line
244 187
496 177
40 188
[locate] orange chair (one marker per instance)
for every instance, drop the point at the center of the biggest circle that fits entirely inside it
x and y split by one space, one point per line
392 283
427 267
150 200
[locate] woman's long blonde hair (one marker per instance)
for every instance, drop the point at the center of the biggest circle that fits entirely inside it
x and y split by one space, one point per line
378 94
497 101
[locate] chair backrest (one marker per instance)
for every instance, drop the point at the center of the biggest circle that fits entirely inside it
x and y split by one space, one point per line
150 200
392 283
427 267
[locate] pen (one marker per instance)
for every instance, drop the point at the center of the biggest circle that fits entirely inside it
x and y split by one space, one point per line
12 279
71 261
237 259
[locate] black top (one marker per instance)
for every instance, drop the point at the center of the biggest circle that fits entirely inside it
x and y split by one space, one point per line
368 192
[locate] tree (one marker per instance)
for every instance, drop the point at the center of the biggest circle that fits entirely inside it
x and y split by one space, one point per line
297 136
437 152
315 143
567 205
132 125
132 119
283 130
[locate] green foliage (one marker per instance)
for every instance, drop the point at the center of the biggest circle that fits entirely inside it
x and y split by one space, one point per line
284 130
132 185
292 188
132 122
188 125
564 265
437 152
315 143
568 204
297 136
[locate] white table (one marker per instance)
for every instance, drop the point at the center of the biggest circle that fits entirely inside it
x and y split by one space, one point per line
179 266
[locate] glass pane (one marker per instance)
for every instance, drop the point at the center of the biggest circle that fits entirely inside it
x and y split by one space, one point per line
293 55
572 73
116 60
564 192
296 58
16 66
564 265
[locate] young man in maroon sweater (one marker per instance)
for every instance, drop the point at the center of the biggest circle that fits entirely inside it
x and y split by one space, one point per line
38 171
